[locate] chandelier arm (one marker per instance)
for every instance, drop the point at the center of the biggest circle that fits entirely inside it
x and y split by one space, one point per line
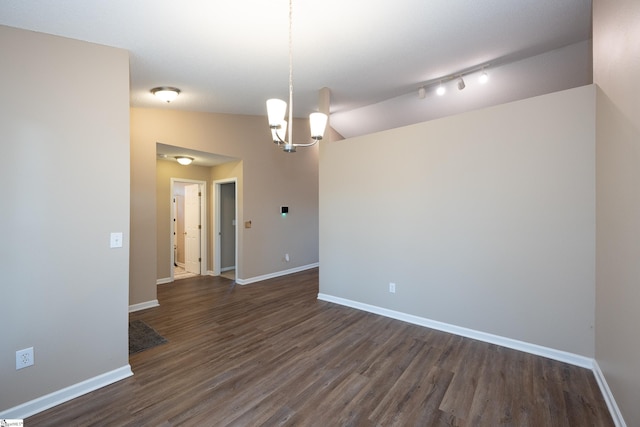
315 141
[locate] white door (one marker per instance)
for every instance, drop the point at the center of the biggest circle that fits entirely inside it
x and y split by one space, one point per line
192 228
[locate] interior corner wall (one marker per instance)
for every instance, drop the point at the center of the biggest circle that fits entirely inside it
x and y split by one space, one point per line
64 131
270 178
485 220
616 55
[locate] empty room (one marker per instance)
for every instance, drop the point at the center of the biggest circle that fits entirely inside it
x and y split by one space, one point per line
320 213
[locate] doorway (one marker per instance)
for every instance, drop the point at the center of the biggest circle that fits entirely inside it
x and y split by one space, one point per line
188 231
226 230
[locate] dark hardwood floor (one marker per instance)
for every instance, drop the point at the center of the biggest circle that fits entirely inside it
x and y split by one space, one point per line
271 354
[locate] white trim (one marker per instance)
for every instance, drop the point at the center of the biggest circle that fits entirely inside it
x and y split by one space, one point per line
562 356
608 396
222 270
64 395
144 305
276 274
164 281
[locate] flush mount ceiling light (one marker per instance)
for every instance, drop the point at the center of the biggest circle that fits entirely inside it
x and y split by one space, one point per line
165 93
276 109
184 160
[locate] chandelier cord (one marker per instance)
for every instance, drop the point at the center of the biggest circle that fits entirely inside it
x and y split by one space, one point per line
290 71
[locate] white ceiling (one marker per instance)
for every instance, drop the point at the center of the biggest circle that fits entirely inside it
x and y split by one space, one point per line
169 153
230 56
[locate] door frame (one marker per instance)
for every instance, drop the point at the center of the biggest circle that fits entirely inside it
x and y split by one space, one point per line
217 226
203 223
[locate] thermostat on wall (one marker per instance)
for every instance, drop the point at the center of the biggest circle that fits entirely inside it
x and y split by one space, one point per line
284 210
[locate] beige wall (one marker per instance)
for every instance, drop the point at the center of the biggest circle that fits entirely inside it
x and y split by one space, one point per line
270 178
484 220
616 35
64 132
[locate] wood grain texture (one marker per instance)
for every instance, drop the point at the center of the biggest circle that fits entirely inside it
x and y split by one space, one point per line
271 354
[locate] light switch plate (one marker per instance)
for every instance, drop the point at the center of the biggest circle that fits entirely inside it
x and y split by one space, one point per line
116 240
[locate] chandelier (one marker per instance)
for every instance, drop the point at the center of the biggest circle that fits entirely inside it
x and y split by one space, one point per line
282 129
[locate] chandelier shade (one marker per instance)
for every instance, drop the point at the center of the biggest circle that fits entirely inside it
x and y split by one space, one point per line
317 123
279 132
276 109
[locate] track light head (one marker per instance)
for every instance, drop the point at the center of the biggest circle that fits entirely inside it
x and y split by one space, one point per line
461 84
484 77
422 93
441 90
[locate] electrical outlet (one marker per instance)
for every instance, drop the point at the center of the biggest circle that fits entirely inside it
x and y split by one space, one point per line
392 288
286 258
24 358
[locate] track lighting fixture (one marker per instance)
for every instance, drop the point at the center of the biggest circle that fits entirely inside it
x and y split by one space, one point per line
460 83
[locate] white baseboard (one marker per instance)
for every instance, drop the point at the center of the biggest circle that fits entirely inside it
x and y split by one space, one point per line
608 396
144 305
276 274
227 269
164 281
562 356
43 403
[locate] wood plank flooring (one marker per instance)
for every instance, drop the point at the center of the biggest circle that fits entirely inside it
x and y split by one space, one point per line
271 354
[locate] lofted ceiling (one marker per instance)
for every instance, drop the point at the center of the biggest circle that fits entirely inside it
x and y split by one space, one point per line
374 55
